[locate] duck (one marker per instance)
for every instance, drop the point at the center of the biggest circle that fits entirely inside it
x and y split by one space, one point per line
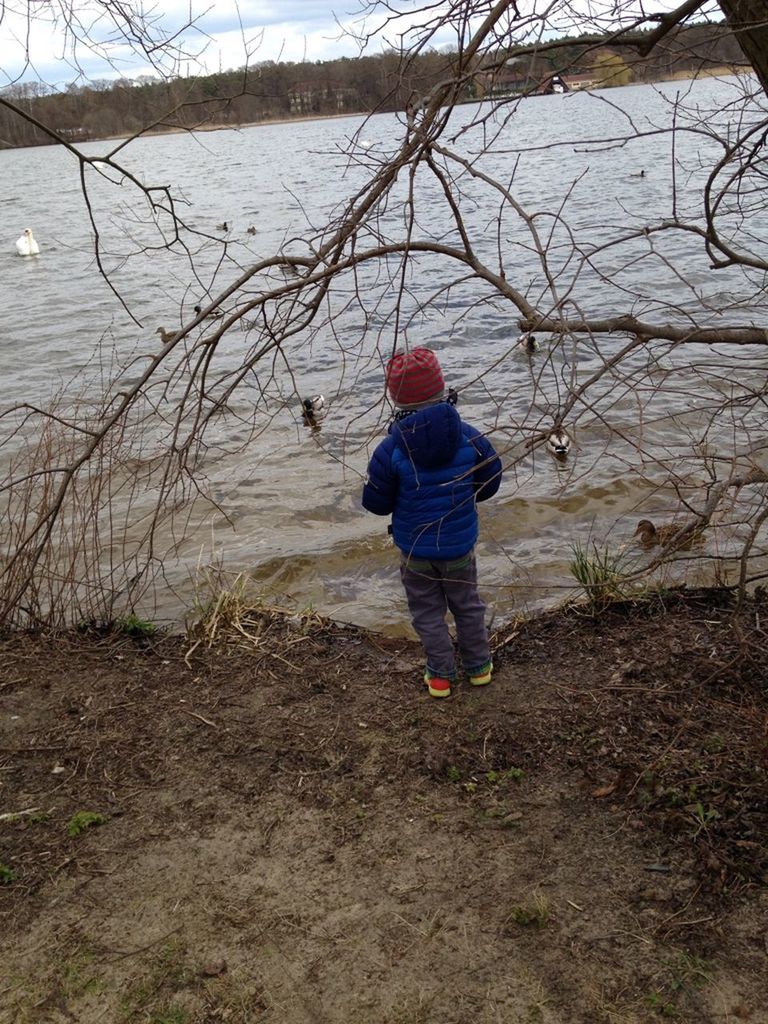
312 411
251 230
214 314
290 267
26 244
224 226
680 536
528 342
166 336
559 443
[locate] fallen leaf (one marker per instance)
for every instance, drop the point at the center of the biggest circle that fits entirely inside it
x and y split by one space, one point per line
602 791
213 968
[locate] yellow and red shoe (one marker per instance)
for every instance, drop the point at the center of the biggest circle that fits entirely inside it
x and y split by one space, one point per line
481 676
437 686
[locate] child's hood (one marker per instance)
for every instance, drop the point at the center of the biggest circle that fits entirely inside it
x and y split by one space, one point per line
430 437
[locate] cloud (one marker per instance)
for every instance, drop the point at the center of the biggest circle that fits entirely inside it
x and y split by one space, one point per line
224 34
36 46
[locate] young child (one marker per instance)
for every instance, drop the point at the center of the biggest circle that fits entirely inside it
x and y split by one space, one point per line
428 474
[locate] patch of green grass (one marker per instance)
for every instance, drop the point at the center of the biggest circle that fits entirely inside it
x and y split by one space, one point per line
674 796
714 744
497 778
171 963
237 1002
83 820
492 778
7 875
135 627
170 1015
501 816
655 1001
599 573
688 971
703 817
685 972
495 812
534 914
77 977
38 817
151 997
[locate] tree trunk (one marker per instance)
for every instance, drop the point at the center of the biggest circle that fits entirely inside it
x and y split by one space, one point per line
748 20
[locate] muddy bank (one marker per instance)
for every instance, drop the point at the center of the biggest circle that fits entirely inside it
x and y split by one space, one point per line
290 830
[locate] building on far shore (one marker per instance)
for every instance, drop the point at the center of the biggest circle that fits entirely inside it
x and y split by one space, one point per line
583 80
534 76
77 134
316 96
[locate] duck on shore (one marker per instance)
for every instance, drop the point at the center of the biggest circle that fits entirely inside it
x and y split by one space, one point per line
681 536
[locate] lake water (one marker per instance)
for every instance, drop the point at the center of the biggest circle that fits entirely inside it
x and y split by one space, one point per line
287 501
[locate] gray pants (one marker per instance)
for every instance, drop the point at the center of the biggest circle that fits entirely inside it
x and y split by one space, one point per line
432 589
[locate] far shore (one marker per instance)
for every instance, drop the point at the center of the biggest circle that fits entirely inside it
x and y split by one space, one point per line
721 71
266 122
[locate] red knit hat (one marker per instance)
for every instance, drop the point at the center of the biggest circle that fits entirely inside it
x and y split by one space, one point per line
414 378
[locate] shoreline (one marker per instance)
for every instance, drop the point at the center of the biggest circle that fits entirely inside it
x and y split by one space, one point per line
721 71
205 129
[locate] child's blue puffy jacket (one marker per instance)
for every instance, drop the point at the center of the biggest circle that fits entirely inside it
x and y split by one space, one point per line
427 474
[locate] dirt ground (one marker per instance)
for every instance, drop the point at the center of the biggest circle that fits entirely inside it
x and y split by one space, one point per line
293 832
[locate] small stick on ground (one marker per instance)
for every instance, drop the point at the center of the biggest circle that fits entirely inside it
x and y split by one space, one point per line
200 718
17 814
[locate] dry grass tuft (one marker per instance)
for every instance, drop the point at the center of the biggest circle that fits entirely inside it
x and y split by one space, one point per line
229 609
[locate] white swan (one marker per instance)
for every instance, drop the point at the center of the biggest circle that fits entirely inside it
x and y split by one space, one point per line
26 244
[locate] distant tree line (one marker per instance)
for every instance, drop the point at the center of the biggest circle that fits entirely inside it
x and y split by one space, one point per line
272 90
690 48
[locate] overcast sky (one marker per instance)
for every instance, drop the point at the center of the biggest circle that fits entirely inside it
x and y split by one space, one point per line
224 33
285 30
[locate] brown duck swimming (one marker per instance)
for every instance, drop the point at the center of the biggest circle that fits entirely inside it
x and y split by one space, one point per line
682 537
